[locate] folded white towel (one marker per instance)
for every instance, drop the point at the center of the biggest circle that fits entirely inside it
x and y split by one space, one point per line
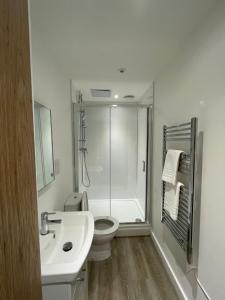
171 166
171 199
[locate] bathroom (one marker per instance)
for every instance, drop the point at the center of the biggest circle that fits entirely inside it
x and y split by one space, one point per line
109 87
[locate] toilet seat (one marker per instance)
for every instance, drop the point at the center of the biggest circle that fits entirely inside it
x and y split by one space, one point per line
110 230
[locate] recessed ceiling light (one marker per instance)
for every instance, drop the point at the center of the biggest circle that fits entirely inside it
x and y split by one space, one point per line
116 96
114 105
122 70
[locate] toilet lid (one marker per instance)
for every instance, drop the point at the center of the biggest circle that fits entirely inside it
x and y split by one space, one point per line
105 225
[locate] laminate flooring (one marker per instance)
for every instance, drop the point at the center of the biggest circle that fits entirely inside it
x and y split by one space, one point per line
134 272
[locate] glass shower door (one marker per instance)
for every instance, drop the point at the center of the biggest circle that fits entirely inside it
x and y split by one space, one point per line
116 144
125 166
142 168
98 159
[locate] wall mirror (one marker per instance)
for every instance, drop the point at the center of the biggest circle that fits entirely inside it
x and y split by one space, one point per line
43 146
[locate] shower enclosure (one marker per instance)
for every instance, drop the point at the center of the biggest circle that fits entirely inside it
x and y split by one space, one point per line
113 160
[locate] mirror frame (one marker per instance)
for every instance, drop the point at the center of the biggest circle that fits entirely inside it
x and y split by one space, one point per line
42 158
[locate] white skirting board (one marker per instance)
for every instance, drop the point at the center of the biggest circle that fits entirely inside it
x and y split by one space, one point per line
172 275
169 269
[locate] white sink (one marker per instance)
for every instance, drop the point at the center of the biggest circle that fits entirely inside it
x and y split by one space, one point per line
58 266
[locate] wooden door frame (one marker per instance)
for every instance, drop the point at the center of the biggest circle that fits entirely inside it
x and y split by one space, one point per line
19 243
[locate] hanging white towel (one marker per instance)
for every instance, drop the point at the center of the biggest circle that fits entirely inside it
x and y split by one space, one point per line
171 199
171 166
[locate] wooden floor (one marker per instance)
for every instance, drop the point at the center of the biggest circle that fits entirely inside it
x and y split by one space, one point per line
134 272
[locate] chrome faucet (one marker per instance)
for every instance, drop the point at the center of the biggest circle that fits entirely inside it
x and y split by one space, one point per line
45 222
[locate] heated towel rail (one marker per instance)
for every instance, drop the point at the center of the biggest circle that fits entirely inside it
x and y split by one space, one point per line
183 137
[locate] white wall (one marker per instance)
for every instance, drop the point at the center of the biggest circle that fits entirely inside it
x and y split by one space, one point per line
195 86
51 88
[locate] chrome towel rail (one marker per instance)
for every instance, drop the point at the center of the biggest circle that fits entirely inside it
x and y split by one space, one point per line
182 229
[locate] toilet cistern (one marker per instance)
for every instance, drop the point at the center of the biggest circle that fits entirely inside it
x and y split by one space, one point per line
45 222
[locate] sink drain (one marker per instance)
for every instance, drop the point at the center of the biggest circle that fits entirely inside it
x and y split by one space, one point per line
67 246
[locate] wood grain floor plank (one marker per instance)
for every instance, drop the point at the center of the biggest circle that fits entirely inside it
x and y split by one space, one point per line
134 272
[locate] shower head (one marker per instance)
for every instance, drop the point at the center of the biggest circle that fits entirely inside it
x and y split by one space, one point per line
83 122
82 113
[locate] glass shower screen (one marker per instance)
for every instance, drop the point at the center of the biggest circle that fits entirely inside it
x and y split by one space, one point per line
116 161
98 159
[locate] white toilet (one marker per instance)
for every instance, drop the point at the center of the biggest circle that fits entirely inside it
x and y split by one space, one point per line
105 227
105 230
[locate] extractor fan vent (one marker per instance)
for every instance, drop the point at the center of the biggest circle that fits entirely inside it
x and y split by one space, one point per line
128 97
100 93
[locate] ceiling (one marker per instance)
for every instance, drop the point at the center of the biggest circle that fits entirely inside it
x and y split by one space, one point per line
91 39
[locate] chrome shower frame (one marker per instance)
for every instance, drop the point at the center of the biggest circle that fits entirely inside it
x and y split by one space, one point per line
125 229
